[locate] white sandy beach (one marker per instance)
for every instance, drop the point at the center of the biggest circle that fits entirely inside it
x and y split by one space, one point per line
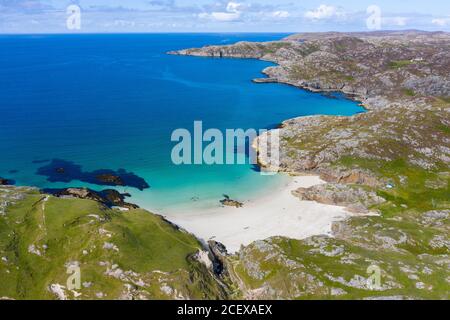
278 213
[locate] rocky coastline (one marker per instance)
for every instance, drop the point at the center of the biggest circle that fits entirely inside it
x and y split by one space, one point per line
364 67
110 197
392 160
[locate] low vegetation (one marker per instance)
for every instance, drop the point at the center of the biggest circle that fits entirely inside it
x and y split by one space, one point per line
121 255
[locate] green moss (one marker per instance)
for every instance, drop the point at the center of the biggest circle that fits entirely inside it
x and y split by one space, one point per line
399 64
409 92
445 129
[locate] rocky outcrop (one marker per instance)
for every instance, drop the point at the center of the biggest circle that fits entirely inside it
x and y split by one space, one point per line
401 77
356 199
231 203
110 198
110 179
219 254
370 67
355 176
238 50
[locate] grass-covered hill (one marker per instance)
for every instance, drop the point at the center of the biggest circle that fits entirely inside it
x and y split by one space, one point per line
121 255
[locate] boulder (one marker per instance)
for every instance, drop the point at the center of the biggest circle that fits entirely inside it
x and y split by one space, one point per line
231 203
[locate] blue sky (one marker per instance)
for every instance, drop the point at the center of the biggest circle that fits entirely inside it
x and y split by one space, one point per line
50 16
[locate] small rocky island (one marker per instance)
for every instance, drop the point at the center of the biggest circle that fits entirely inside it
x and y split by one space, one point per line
230 202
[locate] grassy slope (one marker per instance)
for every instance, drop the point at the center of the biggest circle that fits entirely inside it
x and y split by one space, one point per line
154 250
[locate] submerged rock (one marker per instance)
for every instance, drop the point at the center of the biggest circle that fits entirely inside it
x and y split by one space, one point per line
110 179
66 171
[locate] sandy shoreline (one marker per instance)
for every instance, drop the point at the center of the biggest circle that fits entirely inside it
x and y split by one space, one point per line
277 213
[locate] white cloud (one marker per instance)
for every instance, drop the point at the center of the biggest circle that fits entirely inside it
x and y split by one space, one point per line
324 12
441 22
232 13
280 14
233 7
225 16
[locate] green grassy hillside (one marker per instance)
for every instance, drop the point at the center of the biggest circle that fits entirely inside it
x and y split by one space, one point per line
121 255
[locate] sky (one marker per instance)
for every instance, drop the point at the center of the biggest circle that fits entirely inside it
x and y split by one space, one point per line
113 16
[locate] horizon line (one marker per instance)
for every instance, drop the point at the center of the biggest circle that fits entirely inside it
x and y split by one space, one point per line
215 32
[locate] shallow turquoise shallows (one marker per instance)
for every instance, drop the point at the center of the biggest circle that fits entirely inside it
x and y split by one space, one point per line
112 101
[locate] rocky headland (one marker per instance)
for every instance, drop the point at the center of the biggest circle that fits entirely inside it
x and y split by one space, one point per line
392 160
109 197
400 77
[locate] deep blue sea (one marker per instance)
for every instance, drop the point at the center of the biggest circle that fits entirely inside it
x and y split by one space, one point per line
112 101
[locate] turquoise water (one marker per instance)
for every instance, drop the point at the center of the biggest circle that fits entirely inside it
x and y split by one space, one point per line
112 101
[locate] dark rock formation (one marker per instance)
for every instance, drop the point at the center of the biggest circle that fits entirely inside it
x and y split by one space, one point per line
231 203
60 170
110 179
219 254
117 199
6 182
109 197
